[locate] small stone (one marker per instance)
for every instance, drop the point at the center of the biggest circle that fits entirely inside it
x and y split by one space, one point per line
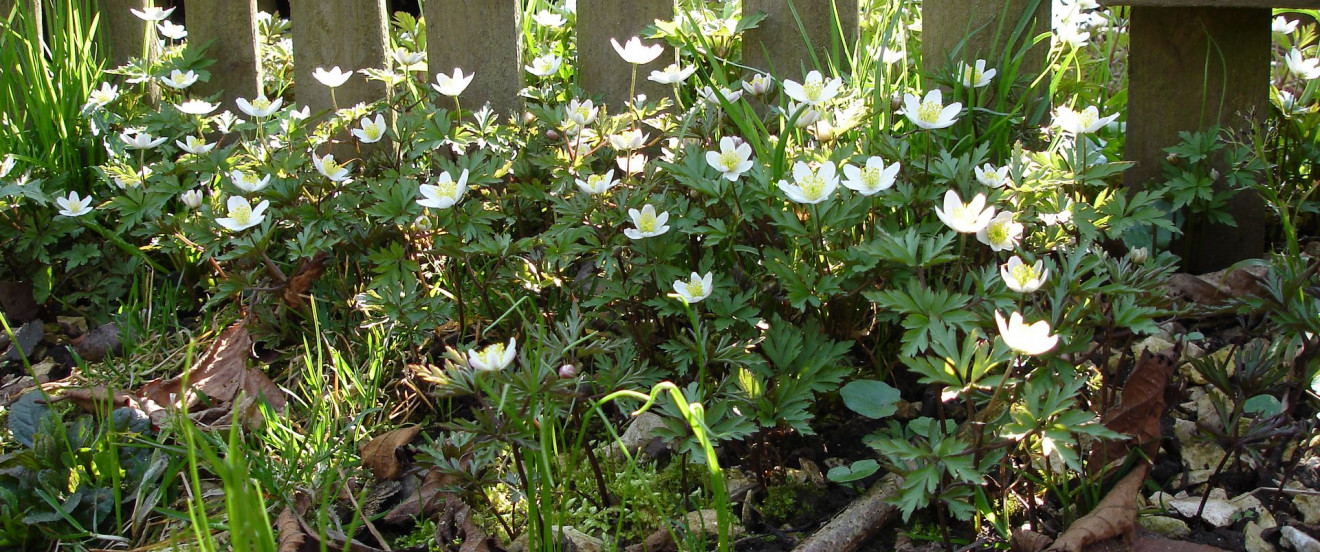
641 431
569 537
1161 499
1309 506
1201 456
1207 415
1217 512
1167 527
1253 540
74 326
1185 431
706 522
1154 344
1301 542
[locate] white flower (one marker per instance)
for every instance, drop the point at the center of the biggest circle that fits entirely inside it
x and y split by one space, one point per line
1283 25
7 165
1071 34
241 215
197 107
1139 255
132 180
334 78
696 288
179 80
809 114
873 178
930 113
733 159
976 76
810 186
628 140
815 90
547 18
260 106
1306 68
635 53
103 95
494 357
673 74
966 218
581 113
1020 277
371 131
759 84
713 95
226 121
169 30
597 184
631 164
1002 233
330 168
137 139
1085 121
648 223
452 86
445 192
300 114
194 145
248 181
1028 339
192 198
409 60
73 206
545 65
152 13
888 56
993 177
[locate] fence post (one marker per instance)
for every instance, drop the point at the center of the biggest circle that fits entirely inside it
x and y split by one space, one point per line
601 70
32 6
122 29
779 44
485 42
231 25
946 23
350 34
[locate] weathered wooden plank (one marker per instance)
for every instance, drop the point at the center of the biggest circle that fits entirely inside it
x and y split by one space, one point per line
1215 3
601 70
485 43
230 26
349 34
946 23
779 43
122 30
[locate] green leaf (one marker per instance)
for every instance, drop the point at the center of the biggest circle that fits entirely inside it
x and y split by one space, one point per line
25 417
870 398
859 470
1264 405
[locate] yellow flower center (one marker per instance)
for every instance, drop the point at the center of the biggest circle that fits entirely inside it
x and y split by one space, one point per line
871 178
491 355
813 187
261 104
373 132
543 65
1023 273
929 112
447 188
596 181
331 167
813 89
695 288
583 112
195 142
179 79
971 76
241 214
101 97
730 159
646 222
1087 118
998 232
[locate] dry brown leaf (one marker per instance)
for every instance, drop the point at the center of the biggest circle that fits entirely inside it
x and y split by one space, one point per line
425 499
308 273
292 538
1027 540
1116 515
219 378
1140 407
1216 287
380 455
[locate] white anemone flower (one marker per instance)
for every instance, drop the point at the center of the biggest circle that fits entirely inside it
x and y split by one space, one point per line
1028 339
597 184
930 113
1021 277
138 139
811 186
695 288
1281 24
103 95
976 76
452 86
179 80
581 113
333 78
631 164
713 95
445 192
74 206
1002 233
647 222
991 176
408 60
1085 121
628 140
195 145
871 179
1306 68
733 159
260 106
152 13
171 31
635 53
330 168
371 131
672 74
494 357
759 84
7 165
248 181
192 198
547 18
544 66
814 90
240 215
197 107
965 218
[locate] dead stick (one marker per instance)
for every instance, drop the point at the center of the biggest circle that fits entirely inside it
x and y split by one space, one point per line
858 522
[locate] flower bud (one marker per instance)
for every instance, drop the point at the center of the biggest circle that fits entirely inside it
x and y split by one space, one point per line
552 135
568 371
192 198
1139 255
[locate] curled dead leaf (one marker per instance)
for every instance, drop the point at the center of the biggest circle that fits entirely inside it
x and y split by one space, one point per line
308 273
380 455
1115 516
1141 405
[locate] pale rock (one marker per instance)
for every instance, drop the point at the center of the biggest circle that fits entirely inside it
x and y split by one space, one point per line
1217 512
1160 499
1206 413
569 537
1253 540
1309 506
1154 344
1172 528
1301 542
706 522
1201 456
641 431
1185 431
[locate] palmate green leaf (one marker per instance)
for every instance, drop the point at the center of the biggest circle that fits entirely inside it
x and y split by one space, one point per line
925 310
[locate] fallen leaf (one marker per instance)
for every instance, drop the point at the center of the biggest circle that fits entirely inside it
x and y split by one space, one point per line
1140 407
1115 516
1213 289
423 500
1027 540
24 342
292 538
380 455
308 273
